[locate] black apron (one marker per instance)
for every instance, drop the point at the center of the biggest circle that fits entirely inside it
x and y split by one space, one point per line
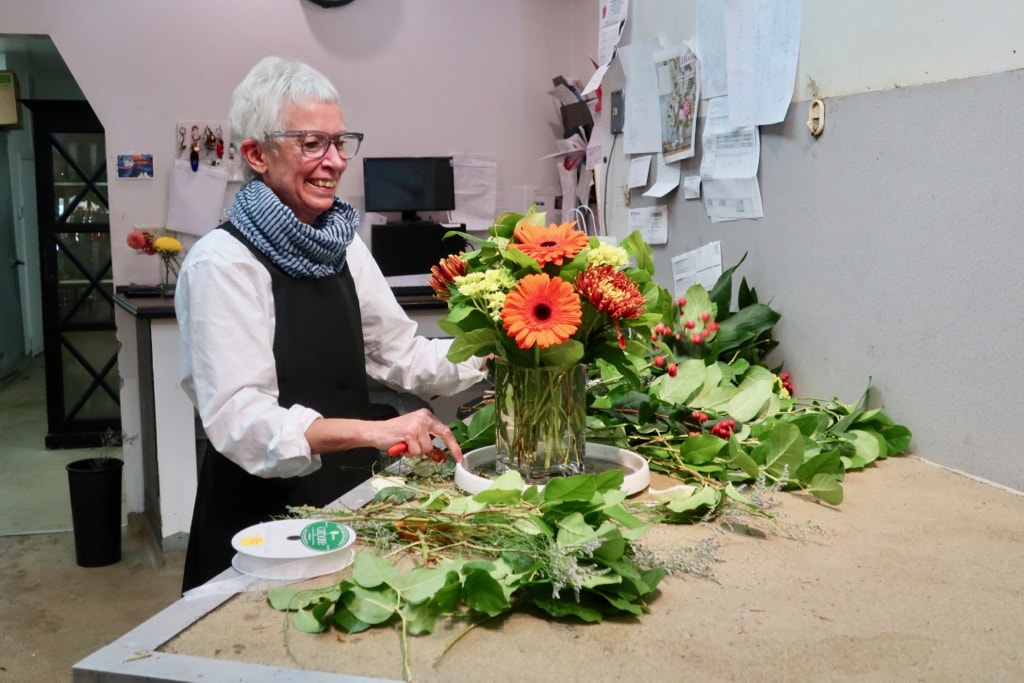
318 351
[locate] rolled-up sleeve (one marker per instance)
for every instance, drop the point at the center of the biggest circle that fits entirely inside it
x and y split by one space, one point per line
225 310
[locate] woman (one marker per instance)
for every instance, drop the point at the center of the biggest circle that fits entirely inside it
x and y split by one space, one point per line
282 313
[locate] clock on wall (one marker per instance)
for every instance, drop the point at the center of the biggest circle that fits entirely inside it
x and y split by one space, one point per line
330 3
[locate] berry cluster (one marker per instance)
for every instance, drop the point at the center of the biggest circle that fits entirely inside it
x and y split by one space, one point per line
670 368
786 384
723 428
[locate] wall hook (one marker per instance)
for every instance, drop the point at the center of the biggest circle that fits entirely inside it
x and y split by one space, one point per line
816 117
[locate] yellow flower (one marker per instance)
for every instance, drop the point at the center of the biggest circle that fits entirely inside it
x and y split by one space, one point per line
167 245
606 254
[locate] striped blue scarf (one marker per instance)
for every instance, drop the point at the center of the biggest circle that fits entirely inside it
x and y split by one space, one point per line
299 249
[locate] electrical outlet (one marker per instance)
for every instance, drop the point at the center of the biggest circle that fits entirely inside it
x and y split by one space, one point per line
618 111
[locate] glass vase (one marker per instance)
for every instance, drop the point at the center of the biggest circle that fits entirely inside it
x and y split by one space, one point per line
540 420
168 277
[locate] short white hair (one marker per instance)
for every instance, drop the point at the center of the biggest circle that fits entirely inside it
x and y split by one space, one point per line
259 102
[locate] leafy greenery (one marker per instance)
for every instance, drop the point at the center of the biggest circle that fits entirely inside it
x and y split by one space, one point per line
701 405
567 550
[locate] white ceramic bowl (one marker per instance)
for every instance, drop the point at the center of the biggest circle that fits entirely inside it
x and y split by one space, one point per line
637 473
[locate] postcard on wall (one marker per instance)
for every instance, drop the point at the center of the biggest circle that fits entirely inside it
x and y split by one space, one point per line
678 96
135 166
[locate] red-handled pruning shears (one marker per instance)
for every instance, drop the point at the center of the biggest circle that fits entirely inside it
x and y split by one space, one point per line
436 454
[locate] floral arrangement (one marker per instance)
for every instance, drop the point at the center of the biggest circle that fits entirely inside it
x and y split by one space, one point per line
547 301
546 296
167 247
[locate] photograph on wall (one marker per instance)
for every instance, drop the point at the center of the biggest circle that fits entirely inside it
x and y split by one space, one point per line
678 96
134 165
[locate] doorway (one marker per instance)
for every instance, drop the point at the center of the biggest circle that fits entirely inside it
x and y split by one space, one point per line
59 264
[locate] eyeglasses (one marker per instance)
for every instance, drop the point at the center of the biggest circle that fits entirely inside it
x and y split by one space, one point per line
315 143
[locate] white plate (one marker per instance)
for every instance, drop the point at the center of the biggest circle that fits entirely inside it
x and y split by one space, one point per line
637 472
292 570
293 539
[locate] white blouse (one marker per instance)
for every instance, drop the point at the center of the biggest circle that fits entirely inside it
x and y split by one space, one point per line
225 310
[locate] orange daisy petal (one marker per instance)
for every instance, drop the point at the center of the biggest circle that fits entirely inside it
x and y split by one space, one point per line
541 310
553 244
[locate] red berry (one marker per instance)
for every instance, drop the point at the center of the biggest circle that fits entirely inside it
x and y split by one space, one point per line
697 338
682 301
659 361
713 326
689 324
784 376
672 369
705 316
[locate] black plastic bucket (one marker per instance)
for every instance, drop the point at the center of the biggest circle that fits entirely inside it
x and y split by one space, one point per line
95 486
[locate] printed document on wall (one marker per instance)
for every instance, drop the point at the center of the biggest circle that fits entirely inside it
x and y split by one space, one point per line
476 190
732 199
728 166
711 48
678 97
702 266
652 222
196 198
762 47
641 133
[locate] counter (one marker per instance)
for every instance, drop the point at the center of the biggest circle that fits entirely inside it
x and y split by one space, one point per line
912 578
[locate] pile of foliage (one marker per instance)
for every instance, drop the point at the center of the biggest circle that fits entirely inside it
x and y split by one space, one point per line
568 550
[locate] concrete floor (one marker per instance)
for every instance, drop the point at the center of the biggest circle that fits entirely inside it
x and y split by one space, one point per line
53 612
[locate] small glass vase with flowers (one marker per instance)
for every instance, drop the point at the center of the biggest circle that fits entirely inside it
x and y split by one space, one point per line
546 302
167 247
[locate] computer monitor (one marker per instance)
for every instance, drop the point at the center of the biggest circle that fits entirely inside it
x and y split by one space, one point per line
408 185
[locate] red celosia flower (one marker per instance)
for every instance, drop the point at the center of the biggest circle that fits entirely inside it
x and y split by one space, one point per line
541 310
552 244
444 274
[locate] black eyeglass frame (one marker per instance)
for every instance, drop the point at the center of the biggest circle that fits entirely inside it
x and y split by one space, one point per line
335 140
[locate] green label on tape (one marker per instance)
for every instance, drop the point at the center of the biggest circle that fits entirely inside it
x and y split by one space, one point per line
324 536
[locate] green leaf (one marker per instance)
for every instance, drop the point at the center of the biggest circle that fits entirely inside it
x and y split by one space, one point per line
348 621
420 619
690 376
370 571
745 325
467 344
868 443
577 487
371 606
897 438
420 584
481 592
784 449
574 530
702 449
561 609
707 497
750 399
826 488
307 621
824 463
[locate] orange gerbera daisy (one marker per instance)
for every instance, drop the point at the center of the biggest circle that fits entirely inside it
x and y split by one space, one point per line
541 310
552 244
611 291
444 274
